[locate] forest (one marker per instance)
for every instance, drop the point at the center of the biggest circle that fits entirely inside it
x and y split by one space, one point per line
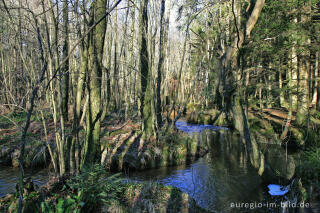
159 105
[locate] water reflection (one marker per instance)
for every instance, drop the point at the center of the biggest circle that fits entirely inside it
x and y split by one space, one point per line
225 175
278 164
9 178
195 128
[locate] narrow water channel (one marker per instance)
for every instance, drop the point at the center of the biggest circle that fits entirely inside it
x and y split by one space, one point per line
221 178
224 177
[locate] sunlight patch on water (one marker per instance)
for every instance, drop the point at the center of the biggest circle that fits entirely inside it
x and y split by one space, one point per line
193 128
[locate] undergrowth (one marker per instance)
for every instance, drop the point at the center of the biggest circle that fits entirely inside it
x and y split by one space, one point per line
95 190
87 191
309 170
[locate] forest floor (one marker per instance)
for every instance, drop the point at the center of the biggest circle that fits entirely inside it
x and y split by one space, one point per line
123 147
281 115
275 115
279 118
122 144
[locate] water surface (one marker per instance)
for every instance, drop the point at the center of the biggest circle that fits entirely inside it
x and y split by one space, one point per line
9 178
221 178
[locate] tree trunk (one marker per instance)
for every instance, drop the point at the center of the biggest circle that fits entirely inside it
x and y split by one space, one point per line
316 80
230 89
304 70
132 74
91 152
318 87
294 78
65 67
146 90
160 64
283 102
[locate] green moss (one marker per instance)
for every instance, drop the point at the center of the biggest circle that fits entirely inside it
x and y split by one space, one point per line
159 198
298 136
269 132
174 149
262 130
207 117
193 147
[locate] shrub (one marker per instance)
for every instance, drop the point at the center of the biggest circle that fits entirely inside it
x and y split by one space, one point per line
87 192
309 168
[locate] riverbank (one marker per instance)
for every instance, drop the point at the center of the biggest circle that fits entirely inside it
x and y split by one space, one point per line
124 149
122 145
97 191
267 127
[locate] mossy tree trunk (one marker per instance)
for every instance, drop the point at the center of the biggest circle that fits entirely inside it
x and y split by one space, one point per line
116 89
106 80
77 113
294 77
304 69
145 75
160 64
56 97
91 149
283 102
132 51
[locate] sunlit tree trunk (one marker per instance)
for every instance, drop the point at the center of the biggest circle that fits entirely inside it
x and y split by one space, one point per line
132 73
283 102
78 97
146 90
116 89
91 151
56 92
304 70
316 80
294 74
107 58
160 64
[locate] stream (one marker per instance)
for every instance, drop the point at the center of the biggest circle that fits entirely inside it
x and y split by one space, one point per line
9 178
225 175
221 178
